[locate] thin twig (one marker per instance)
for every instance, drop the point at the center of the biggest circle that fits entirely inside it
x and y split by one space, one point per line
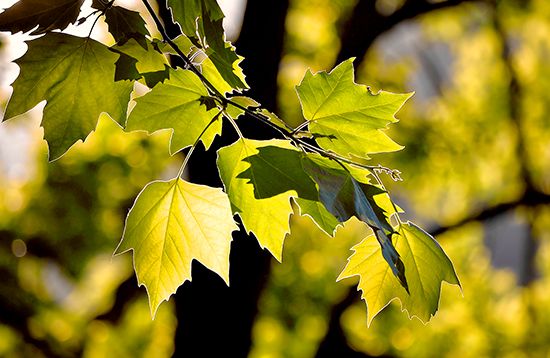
290 134
188 155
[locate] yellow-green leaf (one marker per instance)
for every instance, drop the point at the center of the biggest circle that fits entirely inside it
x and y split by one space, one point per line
426 266
176 104
345 117
267 218
171 224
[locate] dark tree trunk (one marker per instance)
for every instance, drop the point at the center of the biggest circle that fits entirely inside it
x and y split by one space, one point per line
215 320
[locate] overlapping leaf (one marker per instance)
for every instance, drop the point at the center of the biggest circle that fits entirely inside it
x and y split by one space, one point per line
345 117
319 214
267 218
176 104
206 65
48 15
246 102
275 170
344 197
201 21
171 224
126 24
148 58
75 76
426 266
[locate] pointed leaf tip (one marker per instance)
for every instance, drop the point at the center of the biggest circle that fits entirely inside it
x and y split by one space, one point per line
75 76
427 266
171 224
345 117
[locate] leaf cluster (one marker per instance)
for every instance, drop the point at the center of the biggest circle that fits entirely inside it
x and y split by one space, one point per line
319 165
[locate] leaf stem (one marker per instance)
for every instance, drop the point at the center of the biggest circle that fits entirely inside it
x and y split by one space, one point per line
180 53
235 126
383 187
289 134
300 127
188 155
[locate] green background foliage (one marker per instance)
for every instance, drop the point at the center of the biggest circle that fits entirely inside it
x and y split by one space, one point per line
474 143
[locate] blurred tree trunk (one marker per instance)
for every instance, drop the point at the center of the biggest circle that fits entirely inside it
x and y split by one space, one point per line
215 320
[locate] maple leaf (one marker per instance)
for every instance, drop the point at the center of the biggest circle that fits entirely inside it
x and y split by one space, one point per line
201 21
171 224
267 218
75 76
345 117
426 266
48 15
176 105
126 24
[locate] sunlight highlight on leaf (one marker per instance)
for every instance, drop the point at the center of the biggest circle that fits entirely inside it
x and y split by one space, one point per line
171 224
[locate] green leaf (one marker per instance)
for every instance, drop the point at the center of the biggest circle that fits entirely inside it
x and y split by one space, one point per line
201 21
204 63
176 104
274 170
171 224
125 24
267 218
344 197
319 214
188 13
345 117
48 15
273 118
236 112
149 59
426 265
75 76
227 63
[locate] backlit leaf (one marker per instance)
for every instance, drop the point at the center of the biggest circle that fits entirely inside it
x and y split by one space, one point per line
204 63
267 218
278 169
345 117
246 102
319 214
274 170
171 224
148 59
426 266
48 15
201 21
75 76
176 105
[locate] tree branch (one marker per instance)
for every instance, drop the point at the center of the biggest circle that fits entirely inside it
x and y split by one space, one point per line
356 41
530 198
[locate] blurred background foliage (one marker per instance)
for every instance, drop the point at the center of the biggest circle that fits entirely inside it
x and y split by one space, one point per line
476 172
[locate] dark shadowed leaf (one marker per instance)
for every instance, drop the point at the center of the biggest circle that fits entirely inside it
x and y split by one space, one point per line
344 197
48 15
125 24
